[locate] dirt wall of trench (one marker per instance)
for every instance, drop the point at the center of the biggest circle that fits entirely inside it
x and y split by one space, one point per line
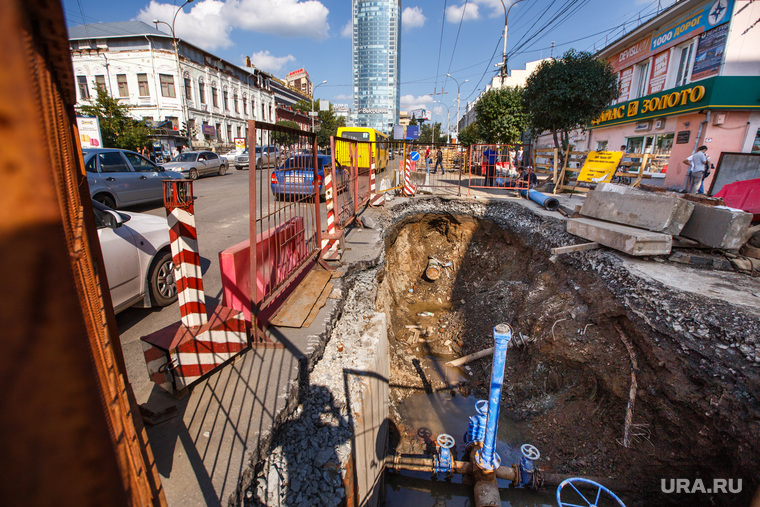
697 411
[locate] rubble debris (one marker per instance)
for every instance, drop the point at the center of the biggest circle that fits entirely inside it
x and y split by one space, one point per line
718 226
626 239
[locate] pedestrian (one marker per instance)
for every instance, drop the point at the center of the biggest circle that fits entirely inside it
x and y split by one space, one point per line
699 161
428 160
174 152
144 152
520 157
438 161
489 161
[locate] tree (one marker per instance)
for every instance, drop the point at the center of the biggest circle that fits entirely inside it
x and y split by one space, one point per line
117 127
431 134
501 116
568 93
413 121
328 126
469 135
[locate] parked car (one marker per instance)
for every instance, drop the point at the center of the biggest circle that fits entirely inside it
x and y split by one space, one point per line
138 258
119 178
193 164
296 177
266 156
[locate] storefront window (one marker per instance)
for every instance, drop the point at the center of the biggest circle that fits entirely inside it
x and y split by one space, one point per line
663 144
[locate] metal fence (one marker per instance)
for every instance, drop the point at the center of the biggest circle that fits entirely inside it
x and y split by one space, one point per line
286 175
504 166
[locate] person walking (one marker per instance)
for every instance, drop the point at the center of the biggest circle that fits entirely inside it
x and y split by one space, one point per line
438 161
699 161
428 160
489 161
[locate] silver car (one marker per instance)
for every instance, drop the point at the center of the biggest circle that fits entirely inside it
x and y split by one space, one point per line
119 178
266 156
192 164
138 258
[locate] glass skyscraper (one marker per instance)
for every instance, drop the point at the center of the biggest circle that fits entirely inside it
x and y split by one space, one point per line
376 58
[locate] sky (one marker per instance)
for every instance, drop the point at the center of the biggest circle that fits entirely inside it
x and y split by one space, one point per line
438 37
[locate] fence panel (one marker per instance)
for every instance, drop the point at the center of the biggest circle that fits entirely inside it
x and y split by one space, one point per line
498 166
546 162
284 207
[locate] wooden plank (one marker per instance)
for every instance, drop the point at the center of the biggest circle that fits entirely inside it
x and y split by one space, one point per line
295 310
575 248
319 304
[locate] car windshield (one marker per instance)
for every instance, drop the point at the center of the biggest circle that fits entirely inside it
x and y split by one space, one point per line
258 150
186 157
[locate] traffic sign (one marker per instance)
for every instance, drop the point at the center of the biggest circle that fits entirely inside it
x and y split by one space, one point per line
415 156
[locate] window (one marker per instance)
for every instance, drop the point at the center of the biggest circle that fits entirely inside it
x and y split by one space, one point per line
245 105
121 79
225 102
148 120
142 85
240 131
229 133
642 80
601 145
685 56
84 90
202 91
167 85
100 82
175 122
188 89
234 102
219 131
90 166
112 162
263 112
214 99
140 164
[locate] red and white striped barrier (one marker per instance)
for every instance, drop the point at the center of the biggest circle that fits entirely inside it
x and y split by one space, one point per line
409 189
181 353
375 199
330 246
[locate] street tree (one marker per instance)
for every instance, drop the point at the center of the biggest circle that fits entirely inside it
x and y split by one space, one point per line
328 126
117 127
431 134
564 94
469 135
501 116
283 138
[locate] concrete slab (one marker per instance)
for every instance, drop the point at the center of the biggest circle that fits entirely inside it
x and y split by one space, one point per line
718 226
657 212
621 237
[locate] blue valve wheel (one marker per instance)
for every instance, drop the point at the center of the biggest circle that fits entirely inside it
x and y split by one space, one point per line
602 494
530 452
445 440
482 407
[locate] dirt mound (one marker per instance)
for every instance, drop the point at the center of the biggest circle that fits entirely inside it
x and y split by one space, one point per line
696 411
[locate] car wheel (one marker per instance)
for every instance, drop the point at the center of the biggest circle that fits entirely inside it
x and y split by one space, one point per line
163 286
222 170
238 167
259 165
106 200
193 174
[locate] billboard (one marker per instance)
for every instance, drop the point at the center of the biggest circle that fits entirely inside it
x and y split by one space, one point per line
89 132
420 114
412 131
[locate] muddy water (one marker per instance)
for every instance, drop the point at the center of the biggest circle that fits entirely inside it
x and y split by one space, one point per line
430 415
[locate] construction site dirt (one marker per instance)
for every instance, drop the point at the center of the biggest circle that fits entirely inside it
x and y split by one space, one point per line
581 325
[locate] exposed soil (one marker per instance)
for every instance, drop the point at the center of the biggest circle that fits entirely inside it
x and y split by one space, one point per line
696 410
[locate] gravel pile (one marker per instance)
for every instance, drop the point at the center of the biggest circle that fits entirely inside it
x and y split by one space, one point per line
307 463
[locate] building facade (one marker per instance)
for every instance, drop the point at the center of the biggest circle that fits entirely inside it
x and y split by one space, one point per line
376 60
688 77
299 79
136 64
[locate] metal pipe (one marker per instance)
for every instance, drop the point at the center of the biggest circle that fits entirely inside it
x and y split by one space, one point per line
486 457
547 201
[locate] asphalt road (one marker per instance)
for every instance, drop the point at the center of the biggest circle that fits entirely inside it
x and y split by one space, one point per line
222 220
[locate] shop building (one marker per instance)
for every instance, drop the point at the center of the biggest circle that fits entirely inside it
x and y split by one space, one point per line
688 77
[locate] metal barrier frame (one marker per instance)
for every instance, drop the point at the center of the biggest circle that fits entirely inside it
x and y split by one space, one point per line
477 152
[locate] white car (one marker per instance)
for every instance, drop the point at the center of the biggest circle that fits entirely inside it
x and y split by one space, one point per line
138 258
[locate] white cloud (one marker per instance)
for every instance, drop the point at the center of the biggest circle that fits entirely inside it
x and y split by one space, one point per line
204 25
288 18
270 63
497 9
454 12
343 97
412 17
347 30
409 102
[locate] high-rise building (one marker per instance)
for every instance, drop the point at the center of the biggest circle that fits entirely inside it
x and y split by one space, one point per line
376 59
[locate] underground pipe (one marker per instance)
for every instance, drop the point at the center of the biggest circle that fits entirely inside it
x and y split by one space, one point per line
547 201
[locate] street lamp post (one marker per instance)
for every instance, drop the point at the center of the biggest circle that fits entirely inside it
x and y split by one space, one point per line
314 94
448 127
504 54
458 87
180 80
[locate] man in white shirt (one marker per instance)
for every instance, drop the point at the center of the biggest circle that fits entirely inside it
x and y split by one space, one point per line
698 165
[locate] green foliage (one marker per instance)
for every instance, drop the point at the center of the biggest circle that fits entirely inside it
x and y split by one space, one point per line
283 138
469 135
117 127
501 117
564 94
431 134
305 106
413 121
329 124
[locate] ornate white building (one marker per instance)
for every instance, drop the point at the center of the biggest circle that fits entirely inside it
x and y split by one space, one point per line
135 63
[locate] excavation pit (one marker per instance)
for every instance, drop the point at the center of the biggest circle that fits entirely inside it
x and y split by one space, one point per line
568 379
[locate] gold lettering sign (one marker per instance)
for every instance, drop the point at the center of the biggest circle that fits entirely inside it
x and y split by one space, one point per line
664 102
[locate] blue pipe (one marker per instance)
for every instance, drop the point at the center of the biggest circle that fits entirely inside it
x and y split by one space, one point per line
547 201
486 457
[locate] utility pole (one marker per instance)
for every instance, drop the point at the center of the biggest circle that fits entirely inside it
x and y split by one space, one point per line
503 63
313 94
458 90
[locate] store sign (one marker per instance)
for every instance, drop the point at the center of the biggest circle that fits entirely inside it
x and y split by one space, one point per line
659 72
697 21
372 110
240 143
625 83
710 50
674 101
600 166
631 54
208 130
89 132
683 137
